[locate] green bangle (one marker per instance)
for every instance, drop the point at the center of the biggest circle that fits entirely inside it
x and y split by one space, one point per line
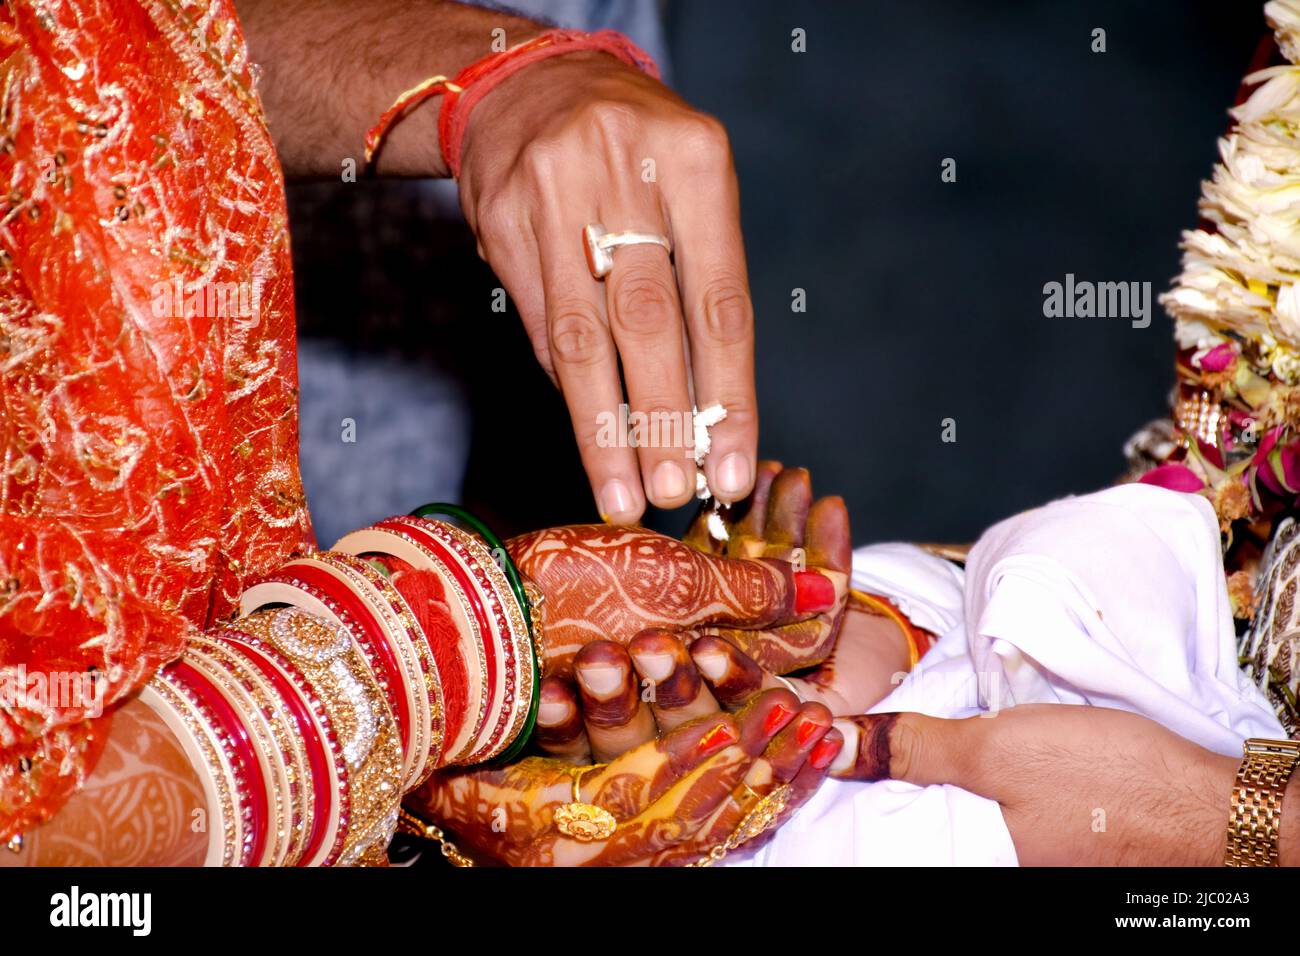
457 513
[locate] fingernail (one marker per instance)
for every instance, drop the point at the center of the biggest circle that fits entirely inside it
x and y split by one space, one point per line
601 681
813 592
717 738
615 500
777 718
824 753
657 667
669 481
846 755
732 477
552 714
712 666
806 732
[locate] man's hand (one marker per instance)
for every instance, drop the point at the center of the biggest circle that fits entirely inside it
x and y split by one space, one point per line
584 139
1077 785
566 142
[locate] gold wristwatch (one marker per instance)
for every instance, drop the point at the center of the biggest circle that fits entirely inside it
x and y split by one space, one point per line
1256 817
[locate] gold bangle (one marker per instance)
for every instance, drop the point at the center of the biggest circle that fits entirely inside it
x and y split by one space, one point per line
358 713
1256 814
538 618
584 822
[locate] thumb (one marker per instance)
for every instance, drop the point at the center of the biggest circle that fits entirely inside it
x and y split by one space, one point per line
912 747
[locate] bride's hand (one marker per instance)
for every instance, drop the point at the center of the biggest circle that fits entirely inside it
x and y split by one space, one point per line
674 799
780 521
603 582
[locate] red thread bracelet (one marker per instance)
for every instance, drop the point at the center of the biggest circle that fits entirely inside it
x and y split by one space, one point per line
461 94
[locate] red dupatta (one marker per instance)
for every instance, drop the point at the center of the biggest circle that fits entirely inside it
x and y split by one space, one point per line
148 380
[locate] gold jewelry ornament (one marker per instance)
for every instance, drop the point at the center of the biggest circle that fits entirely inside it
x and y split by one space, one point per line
760 818
408 822
538 618
580 821
1256 814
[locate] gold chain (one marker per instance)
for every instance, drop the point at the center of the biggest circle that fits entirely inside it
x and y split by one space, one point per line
758 819
408 822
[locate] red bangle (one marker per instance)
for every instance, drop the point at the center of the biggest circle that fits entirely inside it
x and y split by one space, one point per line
461 94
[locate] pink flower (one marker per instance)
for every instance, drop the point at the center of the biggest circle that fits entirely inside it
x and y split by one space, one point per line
1175 477
1217 358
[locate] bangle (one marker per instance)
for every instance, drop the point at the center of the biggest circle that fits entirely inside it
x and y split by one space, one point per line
406 632
461 94
348 696
528 596
284 752
506 632
463 661
1256 814
918 640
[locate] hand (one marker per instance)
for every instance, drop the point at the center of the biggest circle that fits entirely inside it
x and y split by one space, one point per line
1077 785
602 582
675 799
582 139
778 520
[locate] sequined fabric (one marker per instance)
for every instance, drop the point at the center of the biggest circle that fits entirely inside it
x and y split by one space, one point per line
147 363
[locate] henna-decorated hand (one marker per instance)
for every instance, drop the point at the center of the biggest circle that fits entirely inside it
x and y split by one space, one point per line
780 521
608 583
674 798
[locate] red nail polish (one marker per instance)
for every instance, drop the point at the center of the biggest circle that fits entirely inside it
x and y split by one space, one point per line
715 740
807 730
777 718
813 592
824 753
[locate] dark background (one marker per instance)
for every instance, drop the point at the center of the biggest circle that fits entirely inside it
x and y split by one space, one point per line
924 299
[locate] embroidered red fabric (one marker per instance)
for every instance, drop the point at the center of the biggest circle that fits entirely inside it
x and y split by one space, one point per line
147 361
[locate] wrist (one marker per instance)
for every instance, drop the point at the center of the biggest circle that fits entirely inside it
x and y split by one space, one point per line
1288 841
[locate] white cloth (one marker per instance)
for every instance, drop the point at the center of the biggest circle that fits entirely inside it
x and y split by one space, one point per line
1115 599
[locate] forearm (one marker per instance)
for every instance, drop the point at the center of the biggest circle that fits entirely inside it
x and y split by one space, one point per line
331 67
142 806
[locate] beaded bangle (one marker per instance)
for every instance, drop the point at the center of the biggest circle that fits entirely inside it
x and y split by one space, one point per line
510 619
282 760
452 548
326 781
198 737
346 690
237 744
471 649
503 560
322 595
336 592
423 679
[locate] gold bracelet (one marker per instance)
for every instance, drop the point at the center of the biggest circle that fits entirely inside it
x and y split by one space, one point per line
1256 815
408 822
760 818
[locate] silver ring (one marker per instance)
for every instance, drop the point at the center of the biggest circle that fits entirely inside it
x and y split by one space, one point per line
600 245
